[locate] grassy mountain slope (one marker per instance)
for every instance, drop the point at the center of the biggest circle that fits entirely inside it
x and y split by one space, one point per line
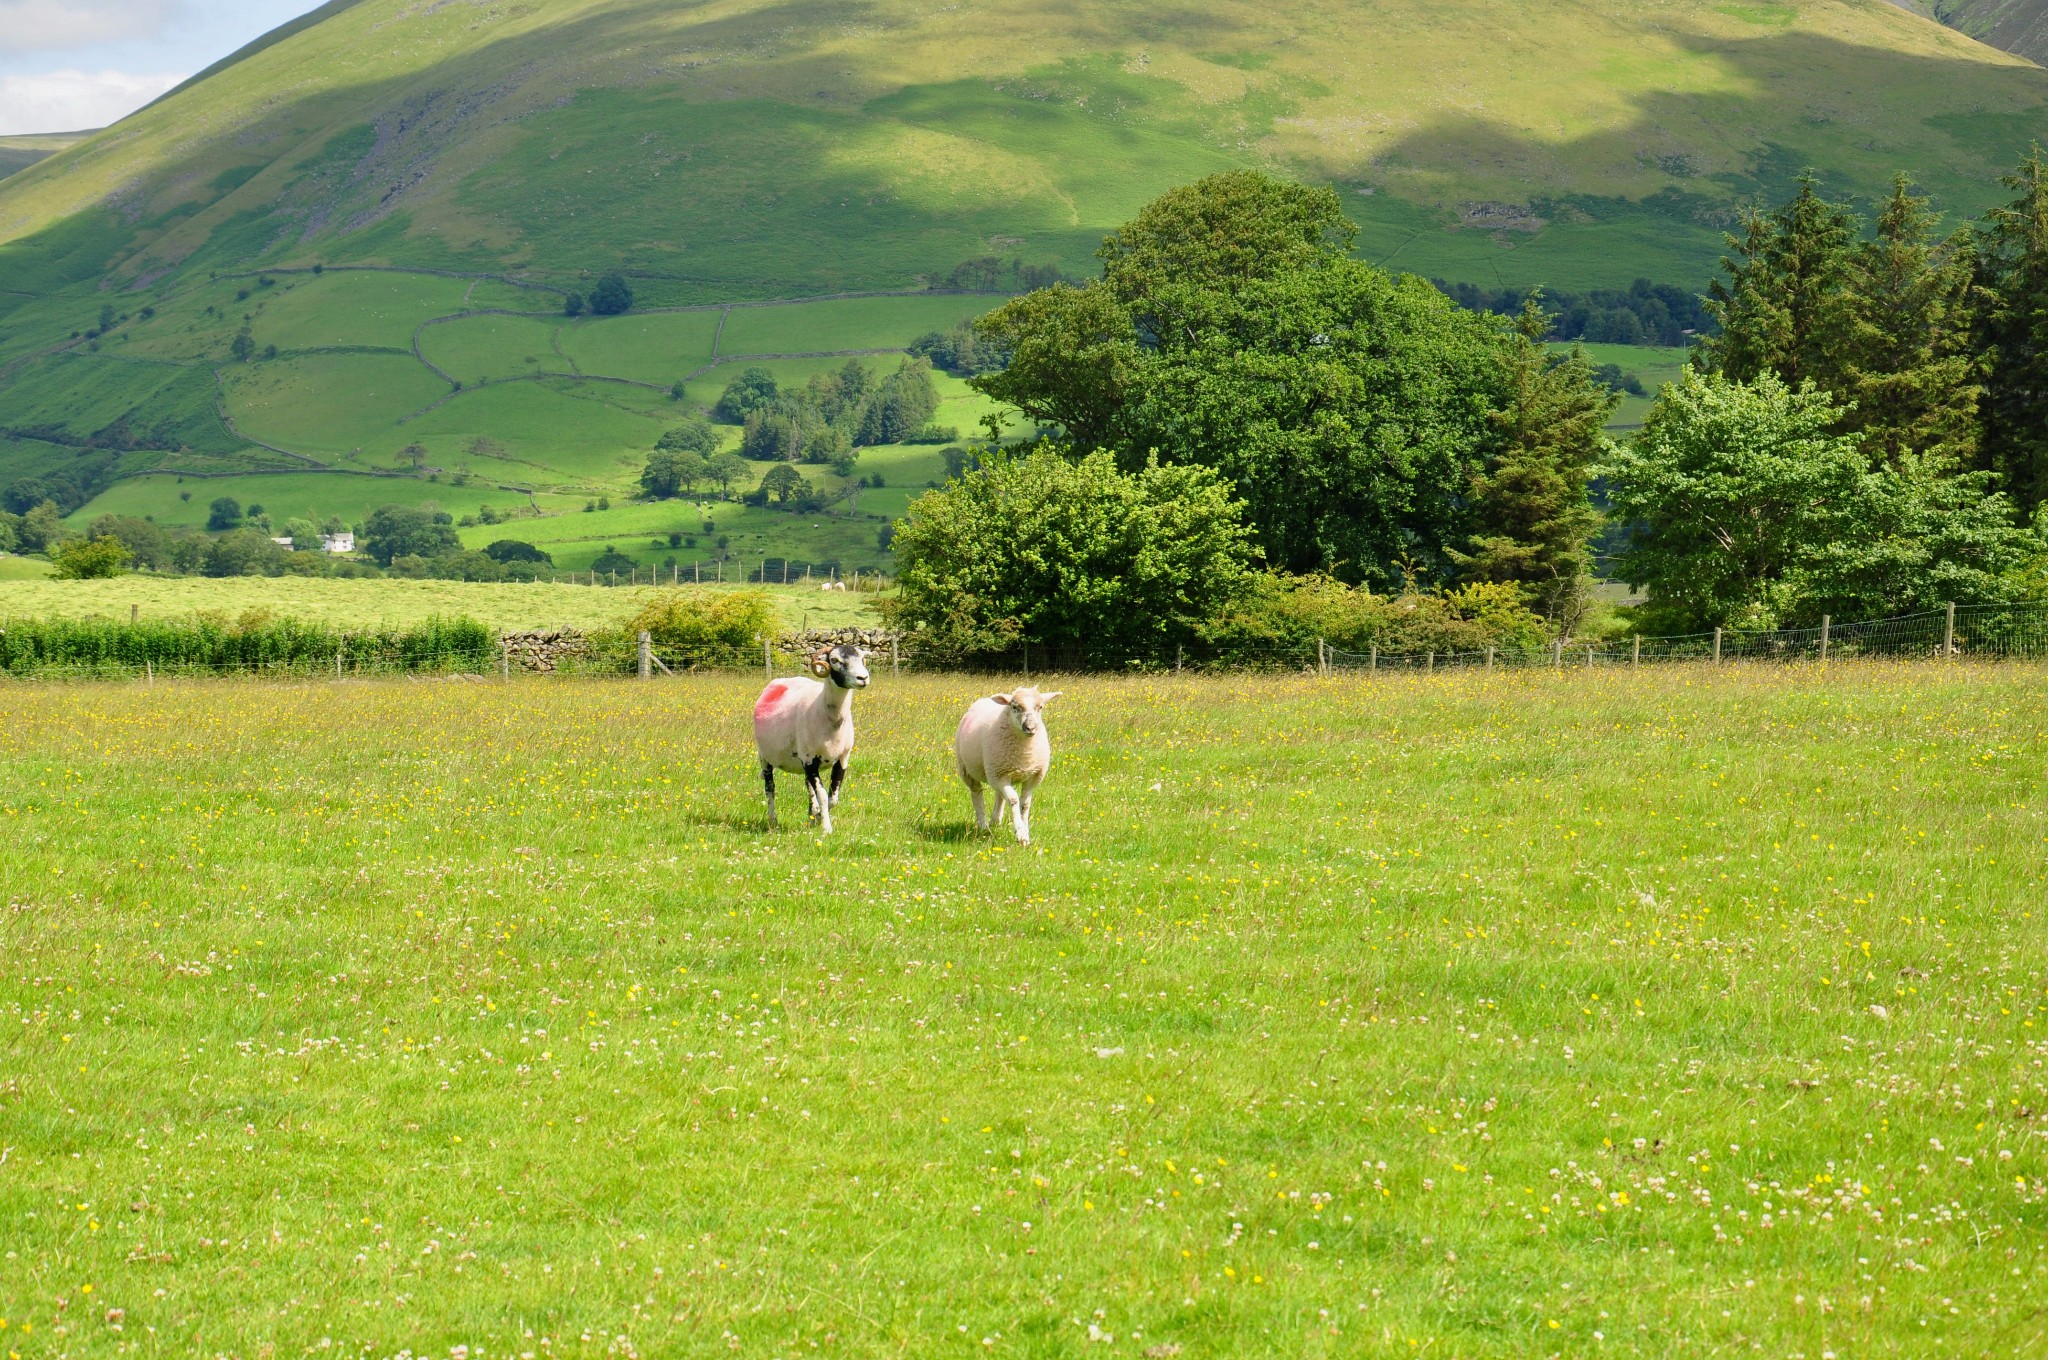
21 151
465 164
2018 26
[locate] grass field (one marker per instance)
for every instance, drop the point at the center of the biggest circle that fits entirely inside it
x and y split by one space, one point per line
14 568
1681 1013
363 604
1652 365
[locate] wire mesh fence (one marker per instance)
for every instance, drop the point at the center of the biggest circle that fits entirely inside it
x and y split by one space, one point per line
1961 632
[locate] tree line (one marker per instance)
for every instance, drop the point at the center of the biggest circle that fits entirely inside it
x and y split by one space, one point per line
1257 427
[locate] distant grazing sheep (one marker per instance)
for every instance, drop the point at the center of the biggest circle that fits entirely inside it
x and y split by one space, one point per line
1002 744
802 725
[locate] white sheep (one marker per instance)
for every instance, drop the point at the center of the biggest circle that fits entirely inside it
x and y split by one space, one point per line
803 725
1002 744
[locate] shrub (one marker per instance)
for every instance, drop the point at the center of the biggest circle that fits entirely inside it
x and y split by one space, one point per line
224 513
86 559
611 297
695 629
1068 552
1279 610
611 560
513 550
213 642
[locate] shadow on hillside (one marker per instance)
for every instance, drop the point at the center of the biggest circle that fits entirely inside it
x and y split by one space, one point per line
1831 133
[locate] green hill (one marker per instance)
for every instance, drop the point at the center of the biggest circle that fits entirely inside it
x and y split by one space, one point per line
19 152
2019 26
453 170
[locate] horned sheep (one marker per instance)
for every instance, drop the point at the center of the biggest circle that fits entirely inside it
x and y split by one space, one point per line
804 724
1002 744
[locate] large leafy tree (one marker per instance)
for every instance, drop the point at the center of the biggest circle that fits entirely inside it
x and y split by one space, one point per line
1045 548
1230 330
1748 508
409 531
1728 488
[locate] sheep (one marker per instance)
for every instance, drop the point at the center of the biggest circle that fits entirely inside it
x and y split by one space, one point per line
803 724
1002 743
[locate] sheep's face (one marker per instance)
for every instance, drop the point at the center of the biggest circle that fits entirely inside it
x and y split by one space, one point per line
847 666
1025 708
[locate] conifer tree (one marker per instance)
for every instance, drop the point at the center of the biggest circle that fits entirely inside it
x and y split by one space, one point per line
1782 307
1533 520
1905 360
2011 296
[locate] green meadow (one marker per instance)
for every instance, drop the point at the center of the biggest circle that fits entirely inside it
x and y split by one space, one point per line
387 603
1685 1012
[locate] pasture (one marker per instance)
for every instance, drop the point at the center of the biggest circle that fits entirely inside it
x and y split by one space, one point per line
1674 1013
389 602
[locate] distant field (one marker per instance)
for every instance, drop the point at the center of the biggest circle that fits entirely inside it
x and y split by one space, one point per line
367 603
851 323
1652 366
23 568
657 347
1679 1014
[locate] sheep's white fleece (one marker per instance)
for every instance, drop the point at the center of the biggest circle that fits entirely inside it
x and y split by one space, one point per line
993 750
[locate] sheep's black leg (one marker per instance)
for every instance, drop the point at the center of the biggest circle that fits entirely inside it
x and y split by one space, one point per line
838 778
821 809
768 781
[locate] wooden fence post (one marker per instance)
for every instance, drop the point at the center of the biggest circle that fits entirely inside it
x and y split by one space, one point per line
768 658
1635 656
1322 657
1717 646
504 661
896 656
1557 655
1825 620
1489 658
134 614
1373 664
1429 663
1948 632
646 656
148 673
1179 654
1589 656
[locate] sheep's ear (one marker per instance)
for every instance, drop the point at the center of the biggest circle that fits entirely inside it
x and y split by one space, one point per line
1002 699
1045 699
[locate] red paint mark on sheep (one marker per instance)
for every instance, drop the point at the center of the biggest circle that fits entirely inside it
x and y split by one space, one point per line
770 700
